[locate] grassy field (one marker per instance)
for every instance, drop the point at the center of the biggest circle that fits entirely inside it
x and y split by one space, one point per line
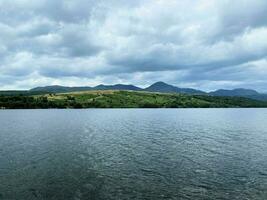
124 99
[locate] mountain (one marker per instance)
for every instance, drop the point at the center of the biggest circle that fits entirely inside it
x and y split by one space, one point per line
117 87
166 88
240 92
234 92
59 89
161 87
156 87
62 89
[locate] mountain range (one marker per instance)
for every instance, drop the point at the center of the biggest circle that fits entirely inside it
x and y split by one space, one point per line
156 87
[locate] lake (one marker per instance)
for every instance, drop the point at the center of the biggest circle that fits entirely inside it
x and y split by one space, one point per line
133 154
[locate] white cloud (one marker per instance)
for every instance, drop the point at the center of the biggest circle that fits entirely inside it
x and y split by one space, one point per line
181 42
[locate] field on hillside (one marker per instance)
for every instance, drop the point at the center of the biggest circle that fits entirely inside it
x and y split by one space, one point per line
123 99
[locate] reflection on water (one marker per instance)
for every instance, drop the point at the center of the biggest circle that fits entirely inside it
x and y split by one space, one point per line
133 154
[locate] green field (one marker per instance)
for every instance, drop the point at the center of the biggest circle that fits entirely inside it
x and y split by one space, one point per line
123 99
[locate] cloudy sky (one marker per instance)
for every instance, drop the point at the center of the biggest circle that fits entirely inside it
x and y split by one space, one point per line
202 44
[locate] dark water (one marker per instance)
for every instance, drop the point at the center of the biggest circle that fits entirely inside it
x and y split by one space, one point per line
133 154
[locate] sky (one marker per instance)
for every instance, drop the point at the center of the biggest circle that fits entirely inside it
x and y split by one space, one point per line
203 44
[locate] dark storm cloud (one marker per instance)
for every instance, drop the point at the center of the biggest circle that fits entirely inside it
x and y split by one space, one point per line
202 43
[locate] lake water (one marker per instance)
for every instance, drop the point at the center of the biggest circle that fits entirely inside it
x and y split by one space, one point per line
125 154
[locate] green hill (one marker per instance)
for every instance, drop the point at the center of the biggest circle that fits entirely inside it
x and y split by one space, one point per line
124 99
160 87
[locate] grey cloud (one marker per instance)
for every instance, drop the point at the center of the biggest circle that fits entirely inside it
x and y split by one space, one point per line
37 27
237 16
190 42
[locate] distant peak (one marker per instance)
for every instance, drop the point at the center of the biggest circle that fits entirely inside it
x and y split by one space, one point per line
160 83
235 92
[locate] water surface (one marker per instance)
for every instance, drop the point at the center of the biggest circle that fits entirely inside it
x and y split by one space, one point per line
133 154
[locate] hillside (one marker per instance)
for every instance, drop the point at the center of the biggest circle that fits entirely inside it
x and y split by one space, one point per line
240 92
64 89
124 99
166 88
156 87
234 92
